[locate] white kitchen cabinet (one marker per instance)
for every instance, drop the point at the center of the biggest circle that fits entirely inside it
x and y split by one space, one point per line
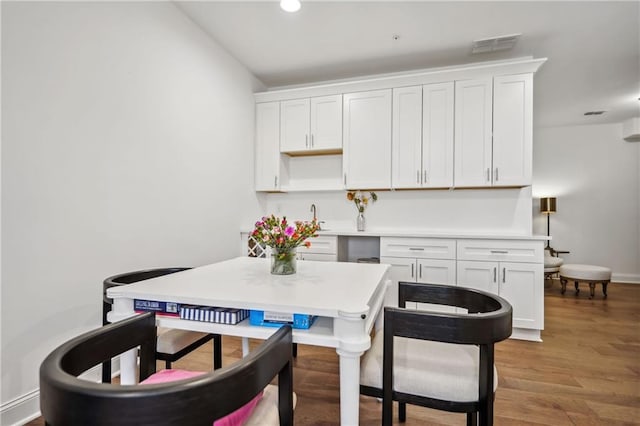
323 248
267 147
420 260
512 130
311 125
422 143
472 140
493 131
511 269
367 139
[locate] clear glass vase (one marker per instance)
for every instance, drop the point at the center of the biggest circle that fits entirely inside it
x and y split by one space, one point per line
283 261
361 221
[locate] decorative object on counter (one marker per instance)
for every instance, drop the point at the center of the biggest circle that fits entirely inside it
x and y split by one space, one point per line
284 238
548 206
361 201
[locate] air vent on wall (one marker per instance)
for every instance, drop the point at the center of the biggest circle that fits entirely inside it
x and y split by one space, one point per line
493 44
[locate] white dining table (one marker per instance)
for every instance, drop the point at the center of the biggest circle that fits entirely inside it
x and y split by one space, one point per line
346 298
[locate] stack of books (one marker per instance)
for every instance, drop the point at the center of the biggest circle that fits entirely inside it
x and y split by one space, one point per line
213 314
167 309
276 319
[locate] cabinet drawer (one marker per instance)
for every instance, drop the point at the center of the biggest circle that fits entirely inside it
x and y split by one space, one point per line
501 250
323 244
420 248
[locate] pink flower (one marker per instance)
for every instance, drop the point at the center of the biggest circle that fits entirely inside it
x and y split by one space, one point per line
289 231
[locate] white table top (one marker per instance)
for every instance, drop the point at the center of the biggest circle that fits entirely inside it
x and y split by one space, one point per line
329 289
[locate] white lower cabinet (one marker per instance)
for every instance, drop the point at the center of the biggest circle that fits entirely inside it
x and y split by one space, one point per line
518 283
516 274
419 260
323 248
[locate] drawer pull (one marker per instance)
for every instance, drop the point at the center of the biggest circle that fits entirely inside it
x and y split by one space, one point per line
416 248
504 275
494 273
412 266
499 251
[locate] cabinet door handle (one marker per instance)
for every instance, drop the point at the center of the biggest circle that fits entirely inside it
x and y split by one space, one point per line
417 176
345 179
311 140
499 251
416 248
494 273
412 265
496 175
488 174
306 141
504 275
275 181
424 177
420 271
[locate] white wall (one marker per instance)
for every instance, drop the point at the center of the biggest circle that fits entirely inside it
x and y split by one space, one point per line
127 143
595 176
481 211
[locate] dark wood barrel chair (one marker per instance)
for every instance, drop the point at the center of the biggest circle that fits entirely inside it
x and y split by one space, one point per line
172 344
66 399
435 359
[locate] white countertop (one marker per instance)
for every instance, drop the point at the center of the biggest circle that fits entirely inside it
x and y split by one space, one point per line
423 233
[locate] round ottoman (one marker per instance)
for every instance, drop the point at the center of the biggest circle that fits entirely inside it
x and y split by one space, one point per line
585 273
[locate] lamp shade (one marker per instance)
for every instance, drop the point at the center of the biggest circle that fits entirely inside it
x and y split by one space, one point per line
548 205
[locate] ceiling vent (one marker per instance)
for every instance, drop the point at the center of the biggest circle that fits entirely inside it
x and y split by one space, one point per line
631 130
494 44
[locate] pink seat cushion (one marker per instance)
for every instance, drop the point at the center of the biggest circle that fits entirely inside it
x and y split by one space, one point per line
236 418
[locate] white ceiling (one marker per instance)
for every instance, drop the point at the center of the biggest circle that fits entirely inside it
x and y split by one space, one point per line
593 48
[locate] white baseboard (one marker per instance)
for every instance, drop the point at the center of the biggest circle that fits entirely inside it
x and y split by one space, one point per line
625 278
21 410
25 408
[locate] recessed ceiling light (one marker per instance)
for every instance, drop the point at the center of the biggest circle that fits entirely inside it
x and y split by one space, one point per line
594 112
493 44
290 5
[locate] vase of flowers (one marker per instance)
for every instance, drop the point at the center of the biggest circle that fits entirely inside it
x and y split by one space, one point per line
284 238
361 200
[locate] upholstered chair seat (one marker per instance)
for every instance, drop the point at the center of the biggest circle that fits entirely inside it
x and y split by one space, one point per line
432 369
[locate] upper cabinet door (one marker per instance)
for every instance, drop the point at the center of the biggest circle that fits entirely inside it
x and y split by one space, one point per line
406 154
473 121
294 125
267 166
512 130
367 139
326 123
437 135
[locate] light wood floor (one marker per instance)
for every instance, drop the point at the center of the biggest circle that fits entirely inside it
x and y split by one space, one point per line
586 372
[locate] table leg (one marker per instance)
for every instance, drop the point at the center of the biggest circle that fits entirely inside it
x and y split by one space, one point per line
349 387
245 346
123 308
128 362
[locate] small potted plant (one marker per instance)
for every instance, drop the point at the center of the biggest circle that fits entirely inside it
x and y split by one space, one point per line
361 200
284 238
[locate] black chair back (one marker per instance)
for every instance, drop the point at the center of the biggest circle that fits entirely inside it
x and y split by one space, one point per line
146 274
67 400
488 320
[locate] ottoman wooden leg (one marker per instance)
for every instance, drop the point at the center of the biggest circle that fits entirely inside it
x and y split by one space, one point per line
576 286
604 288
563 283
592 290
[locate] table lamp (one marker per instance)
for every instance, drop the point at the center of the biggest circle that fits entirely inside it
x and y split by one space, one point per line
548 206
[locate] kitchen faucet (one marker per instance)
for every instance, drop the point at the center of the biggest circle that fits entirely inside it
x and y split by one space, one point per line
315 216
